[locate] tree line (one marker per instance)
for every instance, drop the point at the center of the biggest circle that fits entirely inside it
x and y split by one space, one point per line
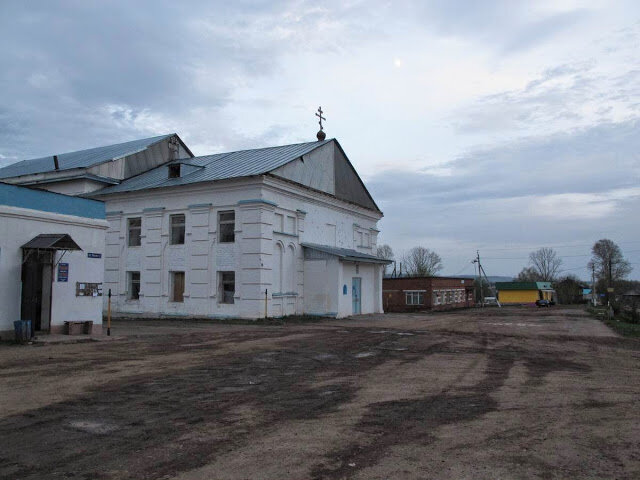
607 263
545 265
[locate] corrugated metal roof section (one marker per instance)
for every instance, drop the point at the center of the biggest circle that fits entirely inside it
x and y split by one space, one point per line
219 166
52 241
346 253
79 159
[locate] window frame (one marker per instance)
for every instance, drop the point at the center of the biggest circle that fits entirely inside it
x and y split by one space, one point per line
172 286
416 296
226 222
134 228
130 283
221 287
178 225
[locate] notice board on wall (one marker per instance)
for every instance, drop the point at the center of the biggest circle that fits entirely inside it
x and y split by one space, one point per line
85 289
63 272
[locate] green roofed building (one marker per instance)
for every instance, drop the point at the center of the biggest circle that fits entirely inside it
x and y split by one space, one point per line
524 292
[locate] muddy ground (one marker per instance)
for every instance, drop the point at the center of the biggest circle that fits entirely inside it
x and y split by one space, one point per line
510 393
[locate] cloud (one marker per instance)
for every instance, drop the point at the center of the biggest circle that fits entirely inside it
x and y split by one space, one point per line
502 121
546 190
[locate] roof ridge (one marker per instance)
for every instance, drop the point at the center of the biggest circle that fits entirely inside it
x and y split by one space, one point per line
263 148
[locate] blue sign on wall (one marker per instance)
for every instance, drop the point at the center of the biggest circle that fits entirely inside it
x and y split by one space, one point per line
94 255
344 289
63 272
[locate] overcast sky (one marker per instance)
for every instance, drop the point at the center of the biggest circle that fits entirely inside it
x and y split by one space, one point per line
501 126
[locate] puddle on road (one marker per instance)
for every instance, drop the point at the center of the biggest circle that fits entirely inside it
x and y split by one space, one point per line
364 354
96 428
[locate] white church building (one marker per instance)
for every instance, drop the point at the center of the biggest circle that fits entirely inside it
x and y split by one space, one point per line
287 230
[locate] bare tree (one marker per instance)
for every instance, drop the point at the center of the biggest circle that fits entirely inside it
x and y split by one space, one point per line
528 274
384 251
546 264
608 261
422 262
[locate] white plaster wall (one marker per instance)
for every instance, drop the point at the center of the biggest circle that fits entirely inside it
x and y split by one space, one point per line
18 226
305 215
367 272
202 256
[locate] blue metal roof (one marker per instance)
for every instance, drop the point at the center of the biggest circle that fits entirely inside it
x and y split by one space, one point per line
346 253
23 197
79 159
220 166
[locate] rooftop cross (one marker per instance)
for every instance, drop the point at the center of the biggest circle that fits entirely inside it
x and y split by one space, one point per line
319 115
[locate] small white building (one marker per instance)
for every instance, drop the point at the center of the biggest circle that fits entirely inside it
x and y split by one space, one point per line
267 232
51 259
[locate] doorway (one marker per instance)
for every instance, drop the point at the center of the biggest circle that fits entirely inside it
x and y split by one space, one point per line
356 295
37 275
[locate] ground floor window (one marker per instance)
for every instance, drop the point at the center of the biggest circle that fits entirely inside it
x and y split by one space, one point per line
177 286
227 287
133 285
415 298
437 297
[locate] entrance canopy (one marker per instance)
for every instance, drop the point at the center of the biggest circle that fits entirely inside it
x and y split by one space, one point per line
346 254
52 241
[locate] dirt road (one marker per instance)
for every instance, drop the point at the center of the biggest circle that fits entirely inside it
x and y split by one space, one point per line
510 393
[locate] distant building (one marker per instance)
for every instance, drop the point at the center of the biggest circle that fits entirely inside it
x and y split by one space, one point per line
524 292
51 259
410 294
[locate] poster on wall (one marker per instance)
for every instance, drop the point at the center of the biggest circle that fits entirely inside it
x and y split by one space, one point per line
63 272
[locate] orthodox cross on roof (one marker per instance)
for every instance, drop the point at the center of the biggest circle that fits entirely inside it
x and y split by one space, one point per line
321 135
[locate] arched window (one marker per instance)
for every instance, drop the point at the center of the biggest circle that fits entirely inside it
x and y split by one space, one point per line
277 267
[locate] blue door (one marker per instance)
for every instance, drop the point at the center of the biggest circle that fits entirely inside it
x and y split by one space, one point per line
356 298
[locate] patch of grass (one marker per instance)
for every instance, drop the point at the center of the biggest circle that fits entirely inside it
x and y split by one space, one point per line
618 324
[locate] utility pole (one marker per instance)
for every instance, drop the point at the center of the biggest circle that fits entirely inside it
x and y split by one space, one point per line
593 285
477 260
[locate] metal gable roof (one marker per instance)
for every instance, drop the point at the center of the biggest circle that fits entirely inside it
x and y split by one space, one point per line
79 159
219 166
346 253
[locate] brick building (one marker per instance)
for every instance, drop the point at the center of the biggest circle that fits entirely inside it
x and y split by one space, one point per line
410 294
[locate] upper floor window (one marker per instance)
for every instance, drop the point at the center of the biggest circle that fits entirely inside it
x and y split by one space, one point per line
176 225
134 227
291 224
278 222
227 226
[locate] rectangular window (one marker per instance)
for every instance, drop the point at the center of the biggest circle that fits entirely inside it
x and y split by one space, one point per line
415 298
176 225
278 222
227 227
436 297
177 286
291 225
133 281
227 287
134 227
